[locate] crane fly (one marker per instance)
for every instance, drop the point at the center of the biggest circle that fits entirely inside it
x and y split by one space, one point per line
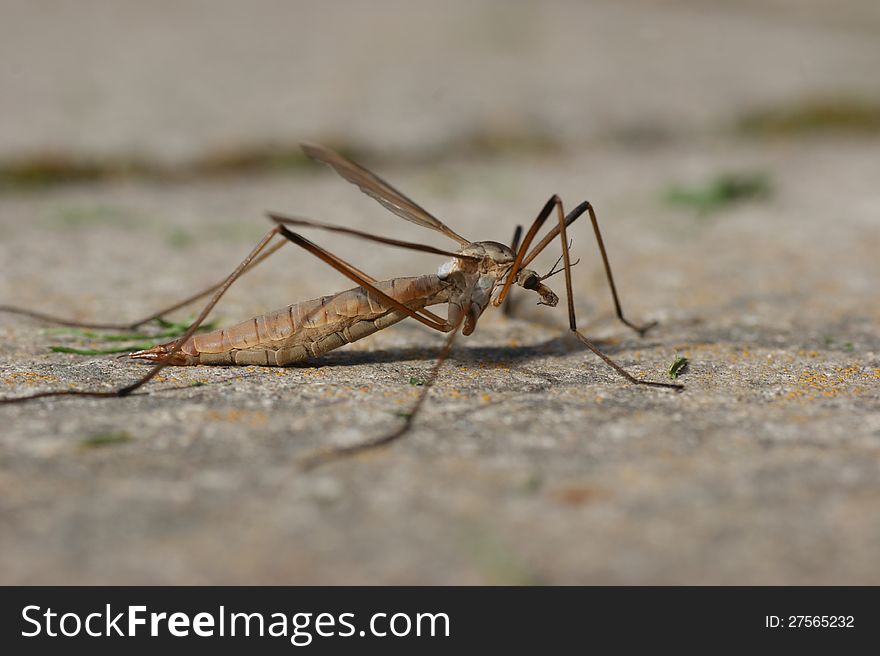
476 275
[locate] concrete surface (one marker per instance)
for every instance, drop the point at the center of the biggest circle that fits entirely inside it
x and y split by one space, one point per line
531 462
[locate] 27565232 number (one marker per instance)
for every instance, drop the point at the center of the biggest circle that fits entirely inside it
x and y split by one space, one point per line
821 621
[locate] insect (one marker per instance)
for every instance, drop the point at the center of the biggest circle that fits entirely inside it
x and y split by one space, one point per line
476 275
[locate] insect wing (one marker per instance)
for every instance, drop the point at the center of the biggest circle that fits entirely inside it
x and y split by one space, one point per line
374 186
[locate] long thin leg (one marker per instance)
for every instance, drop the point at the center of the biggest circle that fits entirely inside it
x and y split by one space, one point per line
300 221
362 279
514 246
523 249
336 453
333 261
161 364
365 276
586 206
140 322
517 235
572 321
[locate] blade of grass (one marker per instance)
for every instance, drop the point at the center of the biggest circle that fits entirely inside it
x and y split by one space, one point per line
170 330
103 351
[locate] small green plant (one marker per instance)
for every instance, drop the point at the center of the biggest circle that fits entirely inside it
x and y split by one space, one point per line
719 192
110 438
679 365
169 329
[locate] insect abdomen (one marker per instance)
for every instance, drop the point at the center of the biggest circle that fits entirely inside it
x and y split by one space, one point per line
306 329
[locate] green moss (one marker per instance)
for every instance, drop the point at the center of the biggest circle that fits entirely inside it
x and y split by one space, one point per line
719 192
497 561
100 440
819 115
51 169
87 215
179 238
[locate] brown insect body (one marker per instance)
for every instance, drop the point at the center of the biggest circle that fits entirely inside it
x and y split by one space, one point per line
312 328
307 329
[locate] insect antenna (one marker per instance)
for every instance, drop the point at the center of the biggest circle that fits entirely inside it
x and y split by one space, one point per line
554 270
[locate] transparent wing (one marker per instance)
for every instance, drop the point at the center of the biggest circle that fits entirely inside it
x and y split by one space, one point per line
373 185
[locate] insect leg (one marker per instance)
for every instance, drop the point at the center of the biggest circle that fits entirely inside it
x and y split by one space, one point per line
367 277
161 364
356 276
517 235
514 245
336 453
572 321
140 322
521 253
362 279
586 206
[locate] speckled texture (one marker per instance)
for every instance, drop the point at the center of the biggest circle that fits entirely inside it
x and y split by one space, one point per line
531 462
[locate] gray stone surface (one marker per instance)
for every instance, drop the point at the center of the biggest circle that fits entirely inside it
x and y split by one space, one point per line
531 462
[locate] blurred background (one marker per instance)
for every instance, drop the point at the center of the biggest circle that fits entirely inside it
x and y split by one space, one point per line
172 82
732 151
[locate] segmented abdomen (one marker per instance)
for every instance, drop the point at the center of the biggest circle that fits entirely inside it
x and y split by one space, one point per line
310 328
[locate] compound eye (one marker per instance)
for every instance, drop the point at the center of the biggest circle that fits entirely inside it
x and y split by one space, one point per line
531 282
